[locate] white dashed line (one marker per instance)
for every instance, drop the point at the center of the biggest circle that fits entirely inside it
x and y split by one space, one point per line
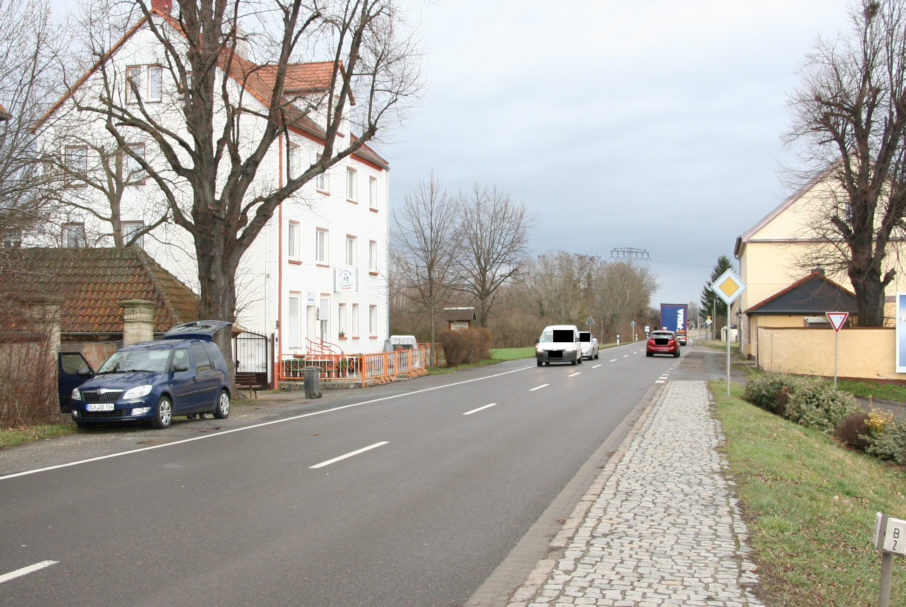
26 570
576 373
613 360
596 366
479 409
348 455
539 387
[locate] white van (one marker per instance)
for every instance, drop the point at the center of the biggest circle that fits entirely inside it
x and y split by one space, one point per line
559 344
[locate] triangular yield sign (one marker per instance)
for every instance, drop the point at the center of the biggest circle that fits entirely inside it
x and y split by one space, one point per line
837 319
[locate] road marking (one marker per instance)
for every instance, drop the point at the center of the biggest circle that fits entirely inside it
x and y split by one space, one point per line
348 455
261 425
596 366
26 570
613 360
576 373
539 387
479 409
625 356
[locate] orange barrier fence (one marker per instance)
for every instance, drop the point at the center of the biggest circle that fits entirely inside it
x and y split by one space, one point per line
359 368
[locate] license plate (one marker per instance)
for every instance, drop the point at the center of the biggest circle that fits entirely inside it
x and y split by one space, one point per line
99 407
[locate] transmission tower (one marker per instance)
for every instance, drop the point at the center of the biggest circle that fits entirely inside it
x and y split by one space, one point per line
630 253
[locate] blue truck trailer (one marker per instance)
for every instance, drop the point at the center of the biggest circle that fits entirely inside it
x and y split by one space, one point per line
674 318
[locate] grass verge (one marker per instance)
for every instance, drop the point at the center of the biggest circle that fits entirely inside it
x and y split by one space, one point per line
810 507
10 437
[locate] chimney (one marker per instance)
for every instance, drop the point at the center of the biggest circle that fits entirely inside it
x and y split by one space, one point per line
164 6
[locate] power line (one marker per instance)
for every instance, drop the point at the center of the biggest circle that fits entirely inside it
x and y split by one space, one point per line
630 253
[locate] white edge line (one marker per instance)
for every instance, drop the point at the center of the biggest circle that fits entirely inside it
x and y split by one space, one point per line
480 409
348 455
26 570
539 387
252 427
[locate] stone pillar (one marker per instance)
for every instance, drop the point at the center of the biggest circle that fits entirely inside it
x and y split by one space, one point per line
138 321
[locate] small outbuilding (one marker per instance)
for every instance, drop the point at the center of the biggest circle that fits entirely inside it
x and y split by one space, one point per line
459 317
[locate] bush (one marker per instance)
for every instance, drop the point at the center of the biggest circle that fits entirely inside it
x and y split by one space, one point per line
465 346
817 404
771 392
853 431
888 443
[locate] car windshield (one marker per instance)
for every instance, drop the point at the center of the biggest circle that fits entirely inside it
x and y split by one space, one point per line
557 335
136 360
583 336
661 335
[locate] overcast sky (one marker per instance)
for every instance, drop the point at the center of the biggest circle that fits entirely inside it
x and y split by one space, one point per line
653 125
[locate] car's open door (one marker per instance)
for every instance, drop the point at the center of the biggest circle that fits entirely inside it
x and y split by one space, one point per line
72 371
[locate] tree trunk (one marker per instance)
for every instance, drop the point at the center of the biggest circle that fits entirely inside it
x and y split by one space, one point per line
869 297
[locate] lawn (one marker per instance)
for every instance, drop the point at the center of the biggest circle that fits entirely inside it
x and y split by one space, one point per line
810 507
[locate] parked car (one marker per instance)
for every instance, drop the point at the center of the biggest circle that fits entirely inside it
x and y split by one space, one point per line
558 343
182 374
662 342
589 345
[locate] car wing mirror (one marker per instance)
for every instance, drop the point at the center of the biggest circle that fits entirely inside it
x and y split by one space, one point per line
178 367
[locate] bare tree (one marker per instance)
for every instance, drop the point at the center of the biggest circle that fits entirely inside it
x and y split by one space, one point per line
29 78
851 113
426 240
231 112
624 295
493 241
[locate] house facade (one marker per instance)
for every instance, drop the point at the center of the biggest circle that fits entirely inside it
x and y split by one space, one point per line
316 275
774 257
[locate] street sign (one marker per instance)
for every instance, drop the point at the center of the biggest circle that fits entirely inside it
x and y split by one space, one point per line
728 286
837 319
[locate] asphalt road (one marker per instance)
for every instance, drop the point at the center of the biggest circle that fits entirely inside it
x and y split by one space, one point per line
406 494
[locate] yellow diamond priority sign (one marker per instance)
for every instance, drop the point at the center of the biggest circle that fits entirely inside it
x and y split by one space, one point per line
728 286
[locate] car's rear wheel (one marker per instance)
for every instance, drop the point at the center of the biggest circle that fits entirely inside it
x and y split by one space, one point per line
677 353
540 363
222 410
163 413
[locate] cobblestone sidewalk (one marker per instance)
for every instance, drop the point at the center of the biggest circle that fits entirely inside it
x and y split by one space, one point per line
659 527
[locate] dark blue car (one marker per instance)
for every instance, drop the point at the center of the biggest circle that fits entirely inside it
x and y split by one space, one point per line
183 374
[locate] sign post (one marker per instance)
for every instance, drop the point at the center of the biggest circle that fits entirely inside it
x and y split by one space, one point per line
728 287
890 539
836 320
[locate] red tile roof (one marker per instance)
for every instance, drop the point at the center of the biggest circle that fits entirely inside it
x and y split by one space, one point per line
92 282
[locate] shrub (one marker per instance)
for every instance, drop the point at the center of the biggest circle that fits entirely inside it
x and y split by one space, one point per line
853 430
888 443
770 392
465 346
817 404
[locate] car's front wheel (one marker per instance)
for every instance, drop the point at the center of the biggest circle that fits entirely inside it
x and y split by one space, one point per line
163 413
222 410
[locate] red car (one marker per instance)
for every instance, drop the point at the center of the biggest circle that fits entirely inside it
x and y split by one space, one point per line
662 342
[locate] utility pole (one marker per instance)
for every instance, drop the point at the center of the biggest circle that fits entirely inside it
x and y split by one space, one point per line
630 253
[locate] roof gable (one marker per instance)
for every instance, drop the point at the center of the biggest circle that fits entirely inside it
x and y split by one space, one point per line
813 295
92 282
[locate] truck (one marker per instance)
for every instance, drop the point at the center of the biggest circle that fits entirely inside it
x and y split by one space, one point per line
673 318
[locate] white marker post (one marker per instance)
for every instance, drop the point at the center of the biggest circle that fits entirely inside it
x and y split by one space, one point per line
728 287
836 320
890 539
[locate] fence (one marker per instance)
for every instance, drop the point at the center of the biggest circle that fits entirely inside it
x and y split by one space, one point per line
362 369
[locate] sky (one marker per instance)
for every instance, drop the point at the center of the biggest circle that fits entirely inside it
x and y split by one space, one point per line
654 125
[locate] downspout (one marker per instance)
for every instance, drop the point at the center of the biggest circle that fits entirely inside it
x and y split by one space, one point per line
279 353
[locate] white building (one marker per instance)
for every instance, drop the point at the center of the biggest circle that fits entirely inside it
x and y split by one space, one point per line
317 271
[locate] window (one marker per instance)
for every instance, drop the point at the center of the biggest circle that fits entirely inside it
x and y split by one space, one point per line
372 257
372 193
321 246
351 179
324 316
200 356
12 238
145 81
181 359
294 161
76 158
341 320
74 235
372 321
130 229
354 321
293 337
135 174
322 180
350 250
292 240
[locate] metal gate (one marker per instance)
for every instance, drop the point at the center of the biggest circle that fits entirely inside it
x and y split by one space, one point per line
253 354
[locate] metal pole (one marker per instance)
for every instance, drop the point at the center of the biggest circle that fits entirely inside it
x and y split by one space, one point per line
886 574
836 342
728 349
